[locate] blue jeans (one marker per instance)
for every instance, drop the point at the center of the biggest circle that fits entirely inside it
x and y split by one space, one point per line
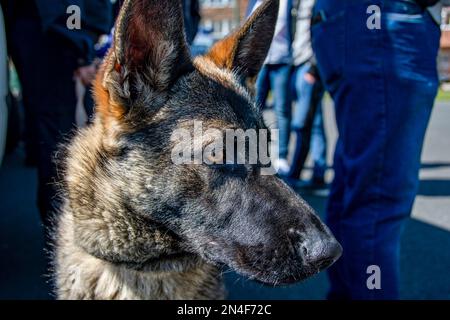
276 77
307 124
384 82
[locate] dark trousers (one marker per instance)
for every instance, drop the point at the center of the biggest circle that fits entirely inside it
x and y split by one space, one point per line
45 67
308 126
383 82
275 77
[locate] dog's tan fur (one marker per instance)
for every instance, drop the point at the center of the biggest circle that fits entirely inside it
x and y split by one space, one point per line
82 276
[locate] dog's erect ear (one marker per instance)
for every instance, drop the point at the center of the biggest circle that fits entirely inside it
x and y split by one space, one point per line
149 48
245 50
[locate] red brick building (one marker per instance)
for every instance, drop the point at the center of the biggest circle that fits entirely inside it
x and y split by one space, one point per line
222 16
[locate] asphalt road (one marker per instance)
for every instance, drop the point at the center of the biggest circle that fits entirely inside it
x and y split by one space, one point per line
425 256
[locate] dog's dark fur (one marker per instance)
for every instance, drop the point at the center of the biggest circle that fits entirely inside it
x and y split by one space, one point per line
136 226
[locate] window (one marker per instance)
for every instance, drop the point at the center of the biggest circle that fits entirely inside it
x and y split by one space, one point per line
446 19
216 3
220 28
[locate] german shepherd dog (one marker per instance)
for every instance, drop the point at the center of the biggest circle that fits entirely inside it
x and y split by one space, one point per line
136 226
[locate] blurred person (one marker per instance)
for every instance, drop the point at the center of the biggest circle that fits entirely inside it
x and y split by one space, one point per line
275 76
48 55
191 13
377 58
307 121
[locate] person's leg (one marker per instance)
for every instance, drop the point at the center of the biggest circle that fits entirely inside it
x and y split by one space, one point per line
24 57
301 121
55 118
337 274
383 84
279 78
45 69
411 84
262 87
318 139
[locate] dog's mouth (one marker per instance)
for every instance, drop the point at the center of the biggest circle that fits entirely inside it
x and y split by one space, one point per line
303 273
274 269
276 277
282 275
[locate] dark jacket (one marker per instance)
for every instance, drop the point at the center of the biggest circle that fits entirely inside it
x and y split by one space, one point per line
427 3
96 19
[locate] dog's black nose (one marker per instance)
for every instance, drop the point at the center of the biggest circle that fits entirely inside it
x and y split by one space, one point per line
318 249
320 253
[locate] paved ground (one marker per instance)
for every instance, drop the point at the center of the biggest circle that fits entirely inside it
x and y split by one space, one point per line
425 259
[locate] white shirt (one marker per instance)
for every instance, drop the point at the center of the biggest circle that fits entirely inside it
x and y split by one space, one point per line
280 49
436 10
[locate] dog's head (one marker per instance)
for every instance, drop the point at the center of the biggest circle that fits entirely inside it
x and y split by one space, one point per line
140 204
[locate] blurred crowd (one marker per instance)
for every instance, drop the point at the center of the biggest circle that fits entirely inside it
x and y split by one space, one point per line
378 65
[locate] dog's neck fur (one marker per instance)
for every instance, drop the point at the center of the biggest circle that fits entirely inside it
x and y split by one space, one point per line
80 275
106 252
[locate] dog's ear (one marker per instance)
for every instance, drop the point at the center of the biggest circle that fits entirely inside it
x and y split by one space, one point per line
245 50
149 52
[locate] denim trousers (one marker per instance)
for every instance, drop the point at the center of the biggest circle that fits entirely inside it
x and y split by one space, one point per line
275 77
308 125
383 80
